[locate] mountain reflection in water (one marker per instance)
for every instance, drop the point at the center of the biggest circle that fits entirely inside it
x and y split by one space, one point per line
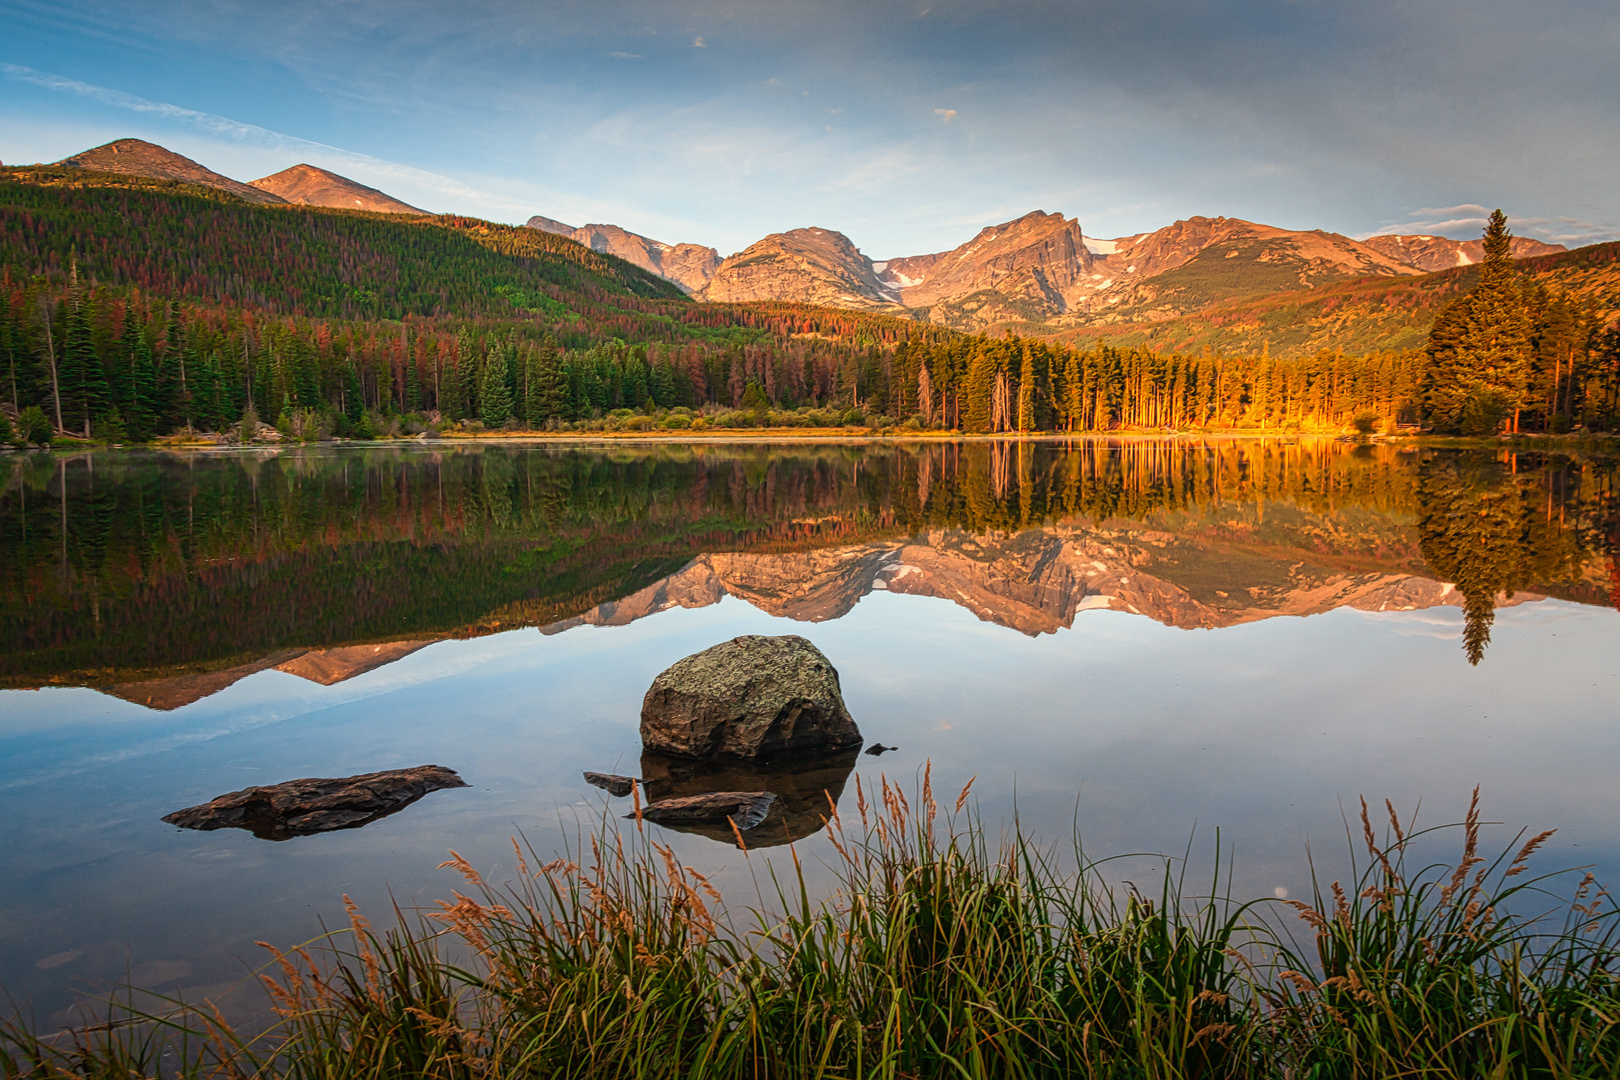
163 578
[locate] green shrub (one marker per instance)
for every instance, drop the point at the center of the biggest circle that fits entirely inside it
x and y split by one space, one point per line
110 428
33 427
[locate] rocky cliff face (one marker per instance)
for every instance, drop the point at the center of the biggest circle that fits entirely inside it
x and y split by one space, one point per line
1026 268
1431 253
550 225
806 266
136 157
691 266
307 185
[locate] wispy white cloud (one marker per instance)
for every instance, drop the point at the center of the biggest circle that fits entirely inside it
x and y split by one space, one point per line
236 130
1467 220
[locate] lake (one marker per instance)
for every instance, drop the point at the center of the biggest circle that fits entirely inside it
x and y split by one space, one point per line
1145 642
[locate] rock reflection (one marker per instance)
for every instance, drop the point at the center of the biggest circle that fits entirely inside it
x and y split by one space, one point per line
802 788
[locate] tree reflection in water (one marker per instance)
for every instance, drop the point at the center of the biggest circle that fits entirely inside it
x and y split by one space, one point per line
1492 530
120 566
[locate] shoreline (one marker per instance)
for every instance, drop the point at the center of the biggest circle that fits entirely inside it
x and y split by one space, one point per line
859 436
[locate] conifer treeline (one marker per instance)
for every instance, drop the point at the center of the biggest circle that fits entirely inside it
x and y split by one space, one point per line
127 362
139 366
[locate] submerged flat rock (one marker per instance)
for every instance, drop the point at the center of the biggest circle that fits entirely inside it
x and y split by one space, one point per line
317 804
806 788
745 808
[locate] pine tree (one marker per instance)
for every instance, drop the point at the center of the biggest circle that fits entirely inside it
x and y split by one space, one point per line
413 382
1479 347
166 402
980 389
662 383
1026 392
354 395
85 396
470 373
545 381
494 399
140 399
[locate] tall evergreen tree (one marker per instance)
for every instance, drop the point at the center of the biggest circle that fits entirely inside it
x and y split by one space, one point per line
546 383
140 397
494 399
661 384
1026 391
354 395
413 381
1479 349
85 396
470 373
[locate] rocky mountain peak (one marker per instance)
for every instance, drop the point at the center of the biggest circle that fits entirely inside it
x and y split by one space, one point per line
688 265
806 266
137 157
550 225
1034 259
308 185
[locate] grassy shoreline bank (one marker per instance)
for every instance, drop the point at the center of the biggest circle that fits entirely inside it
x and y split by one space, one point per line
937 955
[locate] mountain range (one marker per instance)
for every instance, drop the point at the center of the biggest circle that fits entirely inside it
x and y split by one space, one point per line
1042 269
1039 271
1181 286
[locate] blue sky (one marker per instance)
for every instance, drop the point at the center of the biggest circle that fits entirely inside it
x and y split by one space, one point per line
906 124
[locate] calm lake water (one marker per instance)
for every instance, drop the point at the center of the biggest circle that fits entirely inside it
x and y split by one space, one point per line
1146 641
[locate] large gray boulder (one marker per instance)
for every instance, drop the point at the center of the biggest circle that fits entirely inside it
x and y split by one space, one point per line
747 698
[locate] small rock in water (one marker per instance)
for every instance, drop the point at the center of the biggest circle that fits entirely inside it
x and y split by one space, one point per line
612 783
877 749
317 804
56 960
745 808
747 698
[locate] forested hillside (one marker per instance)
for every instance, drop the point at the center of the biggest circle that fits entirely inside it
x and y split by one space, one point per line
150 305
135 308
